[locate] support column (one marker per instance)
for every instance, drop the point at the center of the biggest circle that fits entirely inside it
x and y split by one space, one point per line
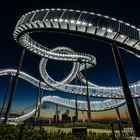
118 114
56 114
6 94
126 90
40 97
14 87
119 120
76 102
127 115
137 106
87 97
76 107
37 99
83 117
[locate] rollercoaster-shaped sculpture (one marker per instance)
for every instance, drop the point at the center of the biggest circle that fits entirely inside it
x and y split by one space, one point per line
83 23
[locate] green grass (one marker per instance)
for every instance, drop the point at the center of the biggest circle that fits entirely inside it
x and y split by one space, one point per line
69 130
11 132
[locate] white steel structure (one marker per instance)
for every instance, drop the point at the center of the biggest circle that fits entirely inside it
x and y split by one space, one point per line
89 24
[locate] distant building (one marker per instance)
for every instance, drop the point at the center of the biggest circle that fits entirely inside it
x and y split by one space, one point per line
66 118
55 118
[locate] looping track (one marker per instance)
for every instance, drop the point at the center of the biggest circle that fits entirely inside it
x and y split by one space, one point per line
87 24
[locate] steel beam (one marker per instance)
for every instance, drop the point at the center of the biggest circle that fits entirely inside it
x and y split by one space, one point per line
87 97
37 99
118 114
40 97
76 107
5 96
137 106
56 114
13 90
126 90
